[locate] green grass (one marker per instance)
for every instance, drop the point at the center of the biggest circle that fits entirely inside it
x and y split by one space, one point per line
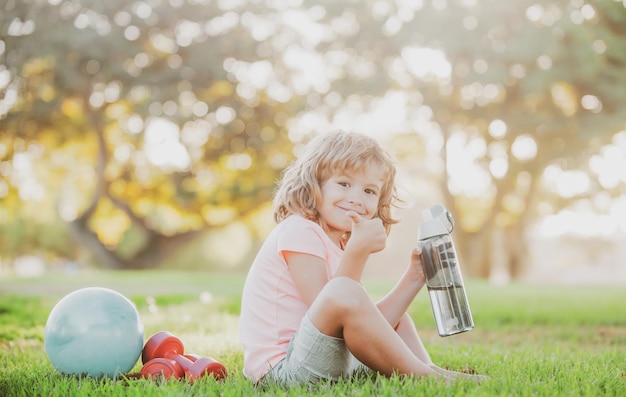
532 340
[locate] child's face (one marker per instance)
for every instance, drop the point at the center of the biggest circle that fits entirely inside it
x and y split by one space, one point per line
350 191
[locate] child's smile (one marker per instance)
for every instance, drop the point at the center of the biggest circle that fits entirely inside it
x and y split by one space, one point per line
350 191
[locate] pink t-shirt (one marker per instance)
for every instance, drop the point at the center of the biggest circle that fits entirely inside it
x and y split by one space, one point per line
271 306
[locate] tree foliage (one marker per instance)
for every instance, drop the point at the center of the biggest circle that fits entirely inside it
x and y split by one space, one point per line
530 86
90 78
162 119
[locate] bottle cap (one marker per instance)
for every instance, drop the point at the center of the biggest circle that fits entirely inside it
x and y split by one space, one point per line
437 222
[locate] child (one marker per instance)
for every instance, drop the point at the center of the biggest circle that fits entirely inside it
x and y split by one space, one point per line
305 316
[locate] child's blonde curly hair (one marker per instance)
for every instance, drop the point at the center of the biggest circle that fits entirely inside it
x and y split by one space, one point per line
299 191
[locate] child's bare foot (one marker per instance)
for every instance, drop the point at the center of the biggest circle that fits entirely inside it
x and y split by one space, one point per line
454 375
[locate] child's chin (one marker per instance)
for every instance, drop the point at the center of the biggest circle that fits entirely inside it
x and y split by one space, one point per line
343 227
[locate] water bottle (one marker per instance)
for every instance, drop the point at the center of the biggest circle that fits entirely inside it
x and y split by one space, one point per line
443 272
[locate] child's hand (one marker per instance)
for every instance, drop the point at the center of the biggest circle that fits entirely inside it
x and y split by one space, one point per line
367 234
416 265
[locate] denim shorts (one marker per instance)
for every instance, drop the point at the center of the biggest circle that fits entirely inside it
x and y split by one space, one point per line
312 357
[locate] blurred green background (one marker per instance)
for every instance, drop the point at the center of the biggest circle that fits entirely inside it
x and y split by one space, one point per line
150 134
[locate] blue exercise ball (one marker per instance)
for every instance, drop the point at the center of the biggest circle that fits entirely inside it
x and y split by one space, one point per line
94 331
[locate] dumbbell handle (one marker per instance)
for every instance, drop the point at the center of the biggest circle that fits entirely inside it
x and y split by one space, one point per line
162 367
180 359
206 366
166 367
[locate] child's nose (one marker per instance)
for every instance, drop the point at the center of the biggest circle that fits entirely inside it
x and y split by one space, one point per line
354 196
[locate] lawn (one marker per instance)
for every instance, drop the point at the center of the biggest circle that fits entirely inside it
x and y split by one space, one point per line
532 340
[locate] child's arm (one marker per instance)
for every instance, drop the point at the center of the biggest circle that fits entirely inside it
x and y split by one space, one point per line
309 274
309 271
397 301
367 236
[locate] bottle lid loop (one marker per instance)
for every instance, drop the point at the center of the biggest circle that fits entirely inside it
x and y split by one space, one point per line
451 220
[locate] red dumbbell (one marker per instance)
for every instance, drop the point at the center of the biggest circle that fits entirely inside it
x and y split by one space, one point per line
162 367
166 368
164 354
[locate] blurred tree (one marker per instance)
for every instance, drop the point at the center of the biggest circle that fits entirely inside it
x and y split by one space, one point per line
511 88
160 119
137 119
537 85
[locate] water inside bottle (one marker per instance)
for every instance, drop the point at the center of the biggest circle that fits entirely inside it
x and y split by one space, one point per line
445 287
443 273
451 310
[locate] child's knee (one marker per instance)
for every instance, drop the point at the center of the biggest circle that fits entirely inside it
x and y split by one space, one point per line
343 293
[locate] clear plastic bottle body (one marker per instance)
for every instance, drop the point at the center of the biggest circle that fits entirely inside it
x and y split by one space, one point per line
445 286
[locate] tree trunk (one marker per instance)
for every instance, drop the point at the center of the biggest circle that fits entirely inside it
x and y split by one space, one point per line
86 238
517 252
158 247
474 250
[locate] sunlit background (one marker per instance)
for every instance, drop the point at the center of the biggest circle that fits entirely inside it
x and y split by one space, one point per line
150 134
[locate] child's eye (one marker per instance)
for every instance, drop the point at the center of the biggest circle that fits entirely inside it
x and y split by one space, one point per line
371 191
342 183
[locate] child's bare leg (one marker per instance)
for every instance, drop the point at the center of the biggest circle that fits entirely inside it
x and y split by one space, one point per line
344 310
407 331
